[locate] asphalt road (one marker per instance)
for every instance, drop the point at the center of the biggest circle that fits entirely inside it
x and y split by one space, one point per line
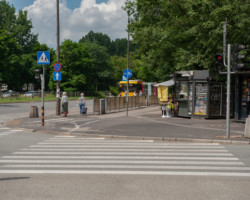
60 163
43 166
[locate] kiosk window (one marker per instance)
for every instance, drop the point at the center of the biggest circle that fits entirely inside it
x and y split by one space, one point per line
201 99
183 91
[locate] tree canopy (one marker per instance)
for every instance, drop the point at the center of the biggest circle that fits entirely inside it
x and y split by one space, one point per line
185 34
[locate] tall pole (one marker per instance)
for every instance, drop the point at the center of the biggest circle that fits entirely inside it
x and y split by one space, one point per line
128 64
43 89
58 108
224 41
228 90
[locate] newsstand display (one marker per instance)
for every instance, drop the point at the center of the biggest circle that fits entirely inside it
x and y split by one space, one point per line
198 96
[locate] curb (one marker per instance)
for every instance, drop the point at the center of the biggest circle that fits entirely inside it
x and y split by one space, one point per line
157 139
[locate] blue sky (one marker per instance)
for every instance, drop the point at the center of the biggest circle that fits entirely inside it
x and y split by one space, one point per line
77 18
72 4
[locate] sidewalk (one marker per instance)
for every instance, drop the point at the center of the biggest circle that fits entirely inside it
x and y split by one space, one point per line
144 123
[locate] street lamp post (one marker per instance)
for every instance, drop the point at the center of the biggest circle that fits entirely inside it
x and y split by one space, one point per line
58 110
128 63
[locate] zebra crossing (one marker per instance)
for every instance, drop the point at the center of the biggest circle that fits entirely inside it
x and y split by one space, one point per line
7 131
75 155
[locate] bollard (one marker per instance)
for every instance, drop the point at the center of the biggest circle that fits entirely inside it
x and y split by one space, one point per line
42 116
33 112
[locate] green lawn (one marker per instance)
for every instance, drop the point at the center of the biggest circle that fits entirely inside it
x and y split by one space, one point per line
29 99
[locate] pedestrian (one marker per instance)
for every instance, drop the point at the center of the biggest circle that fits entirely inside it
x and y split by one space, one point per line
140 93
82 103
126 93
110 95
119 95
64 103
135 94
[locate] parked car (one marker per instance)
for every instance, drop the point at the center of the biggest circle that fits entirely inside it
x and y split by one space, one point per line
10 93
31 94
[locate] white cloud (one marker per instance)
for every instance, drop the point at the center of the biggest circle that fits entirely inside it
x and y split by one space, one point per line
108 18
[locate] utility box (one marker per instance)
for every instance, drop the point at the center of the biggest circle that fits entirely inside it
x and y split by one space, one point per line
33 112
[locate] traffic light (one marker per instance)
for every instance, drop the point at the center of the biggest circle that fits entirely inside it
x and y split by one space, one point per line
219 61
38 73
237 58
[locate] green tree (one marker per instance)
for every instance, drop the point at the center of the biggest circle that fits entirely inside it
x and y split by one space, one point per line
17 46
76 63
185 34
101 73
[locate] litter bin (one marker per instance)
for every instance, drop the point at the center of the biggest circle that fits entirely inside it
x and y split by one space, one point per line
102 106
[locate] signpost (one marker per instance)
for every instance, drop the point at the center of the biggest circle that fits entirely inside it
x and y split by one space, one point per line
127 73
43 58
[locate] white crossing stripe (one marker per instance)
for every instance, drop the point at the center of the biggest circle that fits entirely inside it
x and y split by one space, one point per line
120 157
72 155
131 167
128 153
124 150
119 146
123 172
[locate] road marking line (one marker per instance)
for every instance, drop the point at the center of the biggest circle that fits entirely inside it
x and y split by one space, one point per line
4 128
78 126
122 150
130 167
73 139
173 173
55 120
119 157
128 146
123 162
16 130
129 153
65 136
115 143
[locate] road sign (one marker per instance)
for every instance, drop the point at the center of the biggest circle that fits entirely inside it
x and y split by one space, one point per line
43 58
57 76
57 67
127 73
124 78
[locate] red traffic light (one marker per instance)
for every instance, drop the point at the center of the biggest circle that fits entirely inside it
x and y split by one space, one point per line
219 57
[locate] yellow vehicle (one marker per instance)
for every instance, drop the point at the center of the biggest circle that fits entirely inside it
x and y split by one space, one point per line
134 85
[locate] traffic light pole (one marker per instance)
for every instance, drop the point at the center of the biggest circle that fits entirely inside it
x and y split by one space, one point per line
228 90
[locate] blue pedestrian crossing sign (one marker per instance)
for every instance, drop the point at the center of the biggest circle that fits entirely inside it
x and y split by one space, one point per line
124 78
57 76
43 58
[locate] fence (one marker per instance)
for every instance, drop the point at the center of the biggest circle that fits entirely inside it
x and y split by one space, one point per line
115 104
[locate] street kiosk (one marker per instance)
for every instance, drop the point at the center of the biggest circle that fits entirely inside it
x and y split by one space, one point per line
197 94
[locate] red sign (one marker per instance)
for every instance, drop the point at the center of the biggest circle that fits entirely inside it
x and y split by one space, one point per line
57 67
